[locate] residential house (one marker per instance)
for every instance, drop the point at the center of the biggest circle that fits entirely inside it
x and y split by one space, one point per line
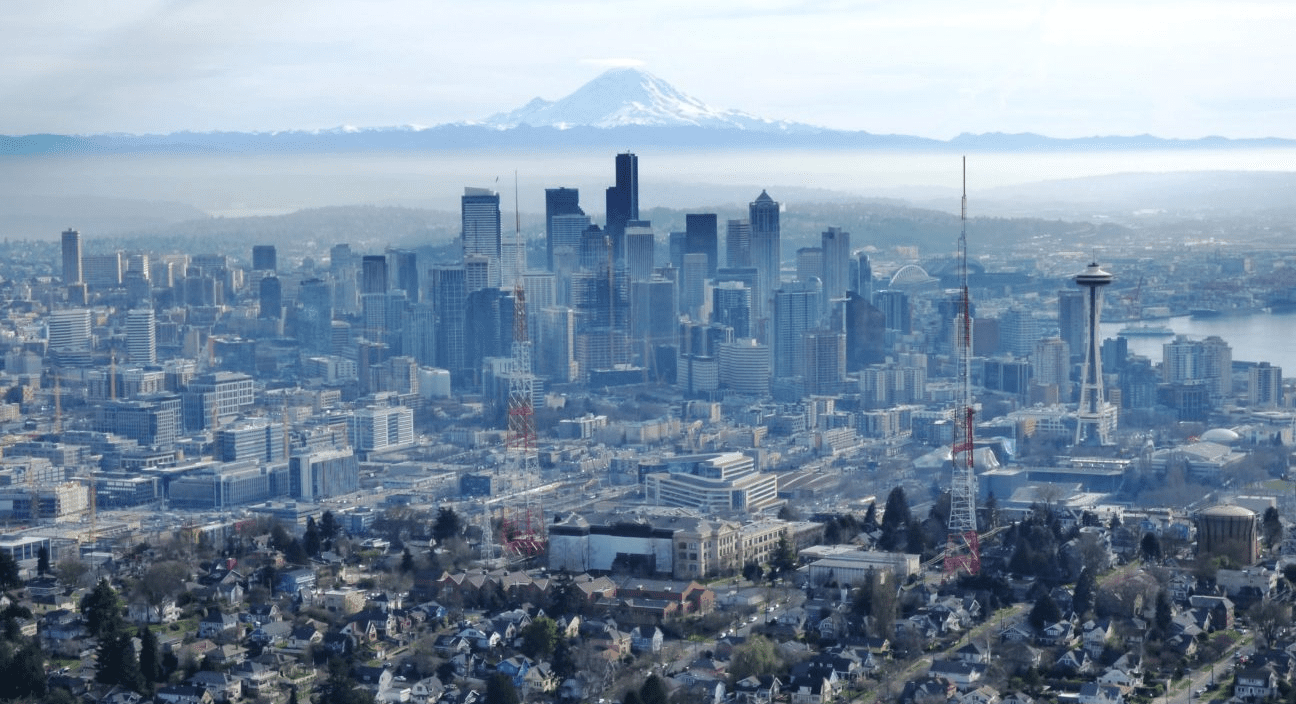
183 694
1061 633
1094 693
275 633
1095 635
375 679
985 694
450 645
1074 662
973 652
301 638
215 623
1255 684
644 640
515 668
758 689
962 674
221 686
294 581
257 679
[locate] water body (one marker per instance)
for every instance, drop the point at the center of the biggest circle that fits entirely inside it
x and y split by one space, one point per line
1258 337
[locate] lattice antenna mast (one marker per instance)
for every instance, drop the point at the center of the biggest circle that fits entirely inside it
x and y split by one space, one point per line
962 548
525 539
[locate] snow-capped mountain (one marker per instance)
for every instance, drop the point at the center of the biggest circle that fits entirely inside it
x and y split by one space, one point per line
627 96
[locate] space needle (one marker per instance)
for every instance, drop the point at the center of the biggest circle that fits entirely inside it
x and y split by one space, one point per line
1090 428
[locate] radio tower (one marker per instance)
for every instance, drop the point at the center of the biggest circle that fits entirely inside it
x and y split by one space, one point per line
963 546
523 535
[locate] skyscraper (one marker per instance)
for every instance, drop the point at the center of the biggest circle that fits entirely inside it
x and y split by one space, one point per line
836 262
480 214
449 298
1071 319
795 310
404 265
738 243
895 306
702 236
640 246
141 336
861 276
315 319
72 257
623 201
865 333
264 257
825 361
558 201
270 298
693 278
373 274
731 304
766 249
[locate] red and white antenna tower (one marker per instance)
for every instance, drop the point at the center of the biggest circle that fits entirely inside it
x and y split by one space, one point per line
523 535
963 546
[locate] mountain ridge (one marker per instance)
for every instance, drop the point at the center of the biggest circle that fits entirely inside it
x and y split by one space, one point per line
619 107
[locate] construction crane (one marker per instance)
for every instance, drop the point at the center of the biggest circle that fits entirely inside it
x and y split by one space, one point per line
963 545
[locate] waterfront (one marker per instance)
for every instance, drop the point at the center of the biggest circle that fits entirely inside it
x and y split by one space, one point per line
1257 337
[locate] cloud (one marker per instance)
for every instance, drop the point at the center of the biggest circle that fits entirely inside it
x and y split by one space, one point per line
614 62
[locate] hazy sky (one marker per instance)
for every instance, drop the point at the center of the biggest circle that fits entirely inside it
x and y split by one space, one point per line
1174 68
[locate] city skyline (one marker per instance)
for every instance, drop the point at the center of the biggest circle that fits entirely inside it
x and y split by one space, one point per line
928 69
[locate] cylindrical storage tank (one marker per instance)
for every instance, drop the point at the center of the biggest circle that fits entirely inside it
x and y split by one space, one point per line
1228 531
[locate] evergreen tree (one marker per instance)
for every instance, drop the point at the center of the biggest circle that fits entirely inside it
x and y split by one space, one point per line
448 525
1085 592
328 526
539 638
500 690
9 578
407 561
563 662
102 610
654 691
42 561
1271 525
1150 547
895 521
1044 612
311 538
870 518
22 671
117 662
150 663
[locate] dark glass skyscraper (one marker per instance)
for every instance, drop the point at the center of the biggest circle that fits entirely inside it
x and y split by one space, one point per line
71 257
558 201
373 274
264 257
702 236
623 201
404 264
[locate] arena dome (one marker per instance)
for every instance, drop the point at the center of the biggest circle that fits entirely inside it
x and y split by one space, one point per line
1223 436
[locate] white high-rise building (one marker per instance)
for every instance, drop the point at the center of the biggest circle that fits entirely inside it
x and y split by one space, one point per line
481 228
141 336
69 330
